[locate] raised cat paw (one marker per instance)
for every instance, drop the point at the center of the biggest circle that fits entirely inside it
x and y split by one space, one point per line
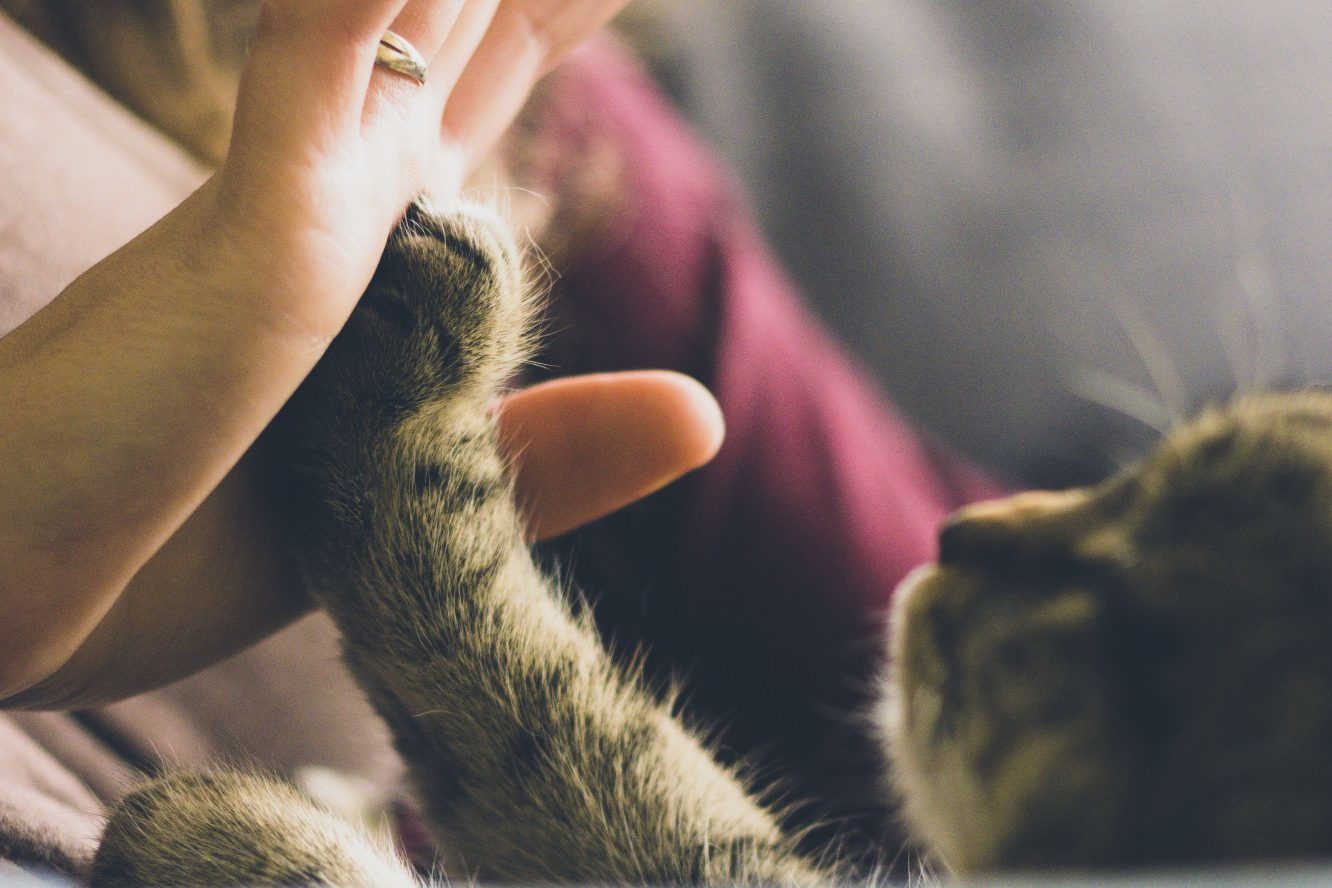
445 314
443 320
441 326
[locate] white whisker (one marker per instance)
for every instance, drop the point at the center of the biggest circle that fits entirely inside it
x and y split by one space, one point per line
1123 397
1259 302
1156 360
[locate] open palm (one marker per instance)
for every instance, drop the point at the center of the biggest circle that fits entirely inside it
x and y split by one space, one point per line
329 149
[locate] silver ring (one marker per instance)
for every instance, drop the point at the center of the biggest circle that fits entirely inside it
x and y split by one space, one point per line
397 54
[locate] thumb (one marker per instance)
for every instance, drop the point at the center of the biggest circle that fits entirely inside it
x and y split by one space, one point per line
588 445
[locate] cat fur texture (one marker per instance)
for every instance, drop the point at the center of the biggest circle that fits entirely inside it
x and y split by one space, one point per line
535 758
1134 674
1129 675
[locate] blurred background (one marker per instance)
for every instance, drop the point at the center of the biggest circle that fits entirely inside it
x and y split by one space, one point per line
1049 228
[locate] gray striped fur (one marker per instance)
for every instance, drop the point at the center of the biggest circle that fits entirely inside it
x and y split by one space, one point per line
535 758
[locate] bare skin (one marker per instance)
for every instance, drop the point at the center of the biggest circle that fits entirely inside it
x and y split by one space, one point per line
129 526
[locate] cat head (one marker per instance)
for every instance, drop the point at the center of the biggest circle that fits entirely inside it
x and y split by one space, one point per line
1134 673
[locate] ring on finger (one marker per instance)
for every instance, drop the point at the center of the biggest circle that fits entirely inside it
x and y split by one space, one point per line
397 54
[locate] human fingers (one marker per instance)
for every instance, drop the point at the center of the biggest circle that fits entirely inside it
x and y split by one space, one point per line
525 40
586 446
426 25
404 122
304 85
456 53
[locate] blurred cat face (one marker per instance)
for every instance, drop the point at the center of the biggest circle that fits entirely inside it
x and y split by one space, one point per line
1135 673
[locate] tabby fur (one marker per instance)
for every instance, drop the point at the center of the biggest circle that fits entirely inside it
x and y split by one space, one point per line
535 758
1134 674
1130 675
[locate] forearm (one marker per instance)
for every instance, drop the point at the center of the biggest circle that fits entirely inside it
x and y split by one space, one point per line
126 401
217 586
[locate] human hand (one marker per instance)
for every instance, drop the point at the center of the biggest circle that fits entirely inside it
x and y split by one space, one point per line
328 149
135 393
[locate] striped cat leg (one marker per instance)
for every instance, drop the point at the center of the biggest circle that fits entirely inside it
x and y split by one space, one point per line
536 757
237 829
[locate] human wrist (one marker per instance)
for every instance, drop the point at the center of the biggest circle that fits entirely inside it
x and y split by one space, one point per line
131 396
260 268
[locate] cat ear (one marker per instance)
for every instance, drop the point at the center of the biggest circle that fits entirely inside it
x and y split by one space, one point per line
1026 525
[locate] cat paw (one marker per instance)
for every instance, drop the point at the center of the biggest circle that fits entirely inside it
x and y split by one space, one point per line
228 828
441 327
443 319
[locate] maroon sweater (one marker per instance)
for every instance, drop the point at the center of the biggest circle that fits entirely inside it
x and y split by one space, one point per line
764 578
